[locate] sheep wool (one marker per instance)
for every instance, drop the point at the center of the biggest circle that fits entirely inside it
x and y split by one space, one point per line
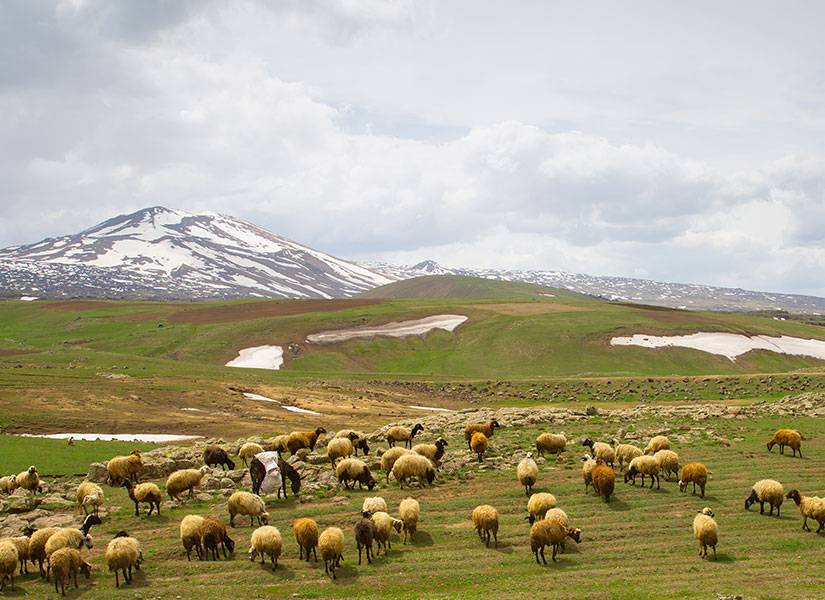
527 472
67 537
248 451
766 490
306 534
125 468
551 443
588 464
602 452
22 544
485 520
191 527
184 480
478 444
550 533
695 473
668 462
488 429
28 479
787 437
8 484
810 507
8 563
90 497
246 503
331 545
390 456
374 504
706 531
409 511
384 524
604 481
266 541
399 433
122 554
434 452
339 448
643 465
625 453
354 470
65 563
413 465
539 504
37 546
657 443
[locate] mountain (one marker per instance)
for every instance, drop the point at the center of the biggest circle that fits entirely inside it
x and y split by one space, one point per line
658 293
161 253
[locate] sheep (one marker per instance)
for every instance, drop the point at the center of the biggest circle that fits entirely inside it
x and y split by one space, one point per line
266 540
339 448
124 468
303 439
409 511
244 503
191 530
432 451
478 444
602 452
90 497
657 443
358 439
390 456
668 462
538 505
8 563
384 524
29 480
485 520
43 546
278 443
403 434
65 563
353 469
695 473
706 531
66 537
528 473
550 533
37 546
809 506
215 455
148 493
558 516
123 553
214 537
643 465
374 504
364 534
8 484
786 437
248 451
625 453
413 465
183 480
331 543
488 429
22 544
604 480
588 463
306 535
766 490
552 443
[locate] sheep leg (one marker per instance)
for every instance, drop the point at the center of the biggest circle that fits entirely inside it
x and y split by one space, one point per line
544 560
536 552
369 553
821 526
117 579
495 537
313 554
137 509
762 508
555 548
781 448
300 552
714 552
805 525
359 553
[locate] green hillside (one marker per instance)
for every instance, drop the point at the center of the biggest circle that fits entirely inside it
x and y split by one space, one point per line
459 287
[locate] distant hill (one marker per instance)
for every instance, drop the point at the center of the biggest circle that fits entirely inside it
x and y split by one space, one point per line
459 286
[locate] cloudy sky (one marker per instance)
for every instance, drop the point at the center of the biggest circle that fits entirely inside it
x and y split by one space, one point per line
668 140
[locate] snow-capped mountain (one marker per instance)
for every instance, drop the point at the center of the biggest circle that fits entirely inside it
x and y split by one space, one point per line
675 295
162 253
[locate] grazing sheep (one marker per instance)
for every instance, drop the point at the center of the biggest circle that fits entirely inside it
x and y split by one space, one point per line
248 451
374 504
604 480
8 484
364 535
538 505
552 443
29 480
384 524
478 444
413 465
643 465
485 520
657 443
331 544
528 473
123 553
306 535
358 439
668 462
695 473
37 546
602 452
90 497
124 468
486 428
214 537
403 434
390 456
766 490
550 533
266 541
191 534
809 507
787 437
65 563
625 453
8 563
706 531
148 493
66 537
183 480
215 455
339 448
278 443
244 503
303 439
432 451
588 463
409 511
559 516
22 544
352 470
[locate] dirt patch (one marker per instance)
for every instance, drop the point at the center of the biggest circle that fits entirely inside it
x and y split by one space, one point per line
15 351
518 309
263 310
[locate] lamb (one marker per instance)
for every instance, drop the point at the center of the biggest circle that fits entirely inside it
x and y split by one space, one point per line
374 504
409 511
432 451
384 524
695 473
215 455
303 439
706 530
657 443
90 497
352 470
604 480
600 451
29 480
478 444
538 505
214 537
528 473
124 468
766 490
403 434
390 456
123 553
265 541
625 453
191 534
364 534
787 437
148 493
485 520
358 439
550 533
8 484
643 465
552 443
413 465
588 463
809 507
65 563
486 428
8 563
183 480
339 448
306 535
331 544
248 451
244 503
668 462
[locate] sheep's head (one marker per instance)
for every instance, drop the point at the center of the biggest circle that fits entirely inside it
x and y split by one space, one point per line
750 499
771 444
362 444
91 520
86 569
29 530
494 424
706 511
531 518
87 541
121 533
230 463
575 534
795 496
264 518
32 470
416 428
135 452
295 484
397 524
588 442
441 442
319 431
682 485
230 543
430 475
529 455
253 554
630 474
353 437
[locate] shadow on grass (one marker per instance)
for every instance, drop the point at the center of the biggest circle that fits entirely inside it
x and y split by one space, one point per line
347 571
617 504
422 538
282 571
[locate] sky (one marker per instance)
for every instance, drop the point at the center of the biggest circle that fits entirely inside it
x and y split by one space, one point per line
657 139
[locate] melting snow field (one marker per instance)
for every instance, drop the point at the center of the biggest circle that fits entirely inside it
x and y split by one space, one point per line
729 345
294 409
120 437
259 357
399 329
430 408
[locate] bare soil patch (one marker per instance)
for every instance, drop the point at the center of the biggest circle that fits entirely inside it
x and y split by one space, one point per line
266 309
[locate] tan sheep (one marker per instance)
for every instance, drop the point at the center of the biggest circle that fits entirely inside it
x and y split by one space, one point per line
551 443
67 537
298 440
123 554
390 456
602 452
538 505
409 511
22 544
246 503
278 443
8 563
550 533
434 452
384 525
787 437
656 443
306 535
124 468
766 490
248 451
354 470
184 480
413 465
374 504
90 497
148 493
191 529
214 538
478 444
485 520
266 541
604 481
37 546
488 429
358 439
625 453
695 473
811 507
706 531
65 563
339 448
643 465
668 462
403 434
559 516
29 480
527 472
331 545
8 484
588 464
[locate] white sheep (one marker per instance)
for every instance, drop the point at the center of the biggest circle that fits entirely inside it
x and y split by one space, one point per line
191 528
656 443
248 451
811 507
90 497
245 503
588 464
122 554
8 484
8 563
390 456
409 512
29 480
602 452
37 546
413 465
384 525
266 541
538 505
766 490
552 443
559 516
706 531
434 451
643 465
625 453
399 433
331 546
668 462
374 504
527 472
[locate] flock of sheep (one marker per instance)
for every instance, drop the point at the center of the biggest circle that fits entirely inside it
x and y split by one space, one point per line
57 551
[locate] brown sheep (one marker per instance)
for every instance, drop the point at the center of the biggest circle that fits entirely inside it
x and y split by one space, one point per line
213 536
364 535
695 473
478 444
215 455
303 439
486 428
604 480
787 437
306 534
